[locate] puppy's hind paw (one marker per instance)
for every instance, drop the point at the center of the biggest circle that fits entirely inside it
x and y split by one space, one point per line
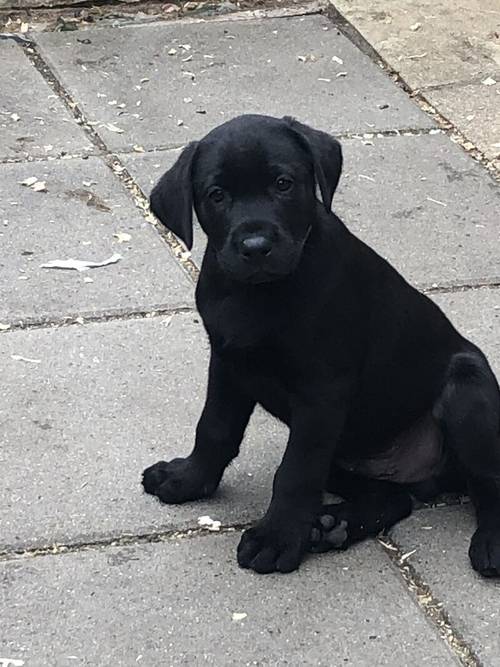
328 532
484 551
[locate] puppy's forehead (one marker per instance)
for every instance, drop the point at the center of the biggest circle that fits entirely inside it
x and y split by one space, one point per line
249 152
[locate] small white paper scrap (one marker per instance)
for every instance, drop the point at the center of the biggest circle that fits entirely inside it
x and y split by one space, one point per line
79 264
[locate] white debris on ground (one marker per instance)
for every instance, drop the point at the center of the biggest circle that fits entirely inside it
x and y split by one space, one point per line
79 264
208 523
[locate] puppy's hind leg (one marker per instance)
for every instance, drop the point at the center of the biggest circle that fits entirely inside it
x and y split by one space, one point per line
469 412
371 506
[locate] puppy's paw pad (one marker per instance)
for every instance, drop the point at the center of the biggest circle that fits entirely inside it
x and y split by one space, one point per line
328 533
484 551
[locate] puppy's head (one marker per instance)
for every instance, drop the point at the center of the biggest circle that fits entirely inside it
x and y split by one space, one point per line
252 182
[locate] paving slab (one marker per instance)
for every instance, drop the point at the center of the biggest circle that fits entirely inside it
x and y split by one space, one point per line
146 168
476 314
77 217
445 49
106 401
404 195
441 538
431 42
109 399
474 108
173 603
33 121
209 77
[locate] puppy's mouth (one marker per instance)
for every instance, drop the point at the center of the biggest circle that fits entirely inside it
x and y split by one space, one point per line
262 277
258 275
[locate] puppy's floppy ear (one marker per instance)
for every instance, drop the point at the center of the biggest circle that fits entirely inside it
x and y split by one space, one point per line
172 197
326 154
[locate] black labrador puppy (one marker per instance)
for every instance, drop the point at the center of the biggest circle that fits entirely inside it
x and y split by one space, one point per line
383 397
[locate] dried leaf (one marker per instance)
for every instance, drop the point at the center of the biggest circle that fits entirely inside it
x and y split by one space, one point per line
415 26
489 81
114 128
208 523
436 201
416 56
239 615
78 264
122 237
309 57
172 52
19 357
29 181
39 186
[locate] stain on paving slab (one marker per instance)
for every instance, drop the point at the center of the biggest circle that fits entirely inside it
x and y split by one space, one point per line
403 195
81 213
186 602
165 84
441 540
33 121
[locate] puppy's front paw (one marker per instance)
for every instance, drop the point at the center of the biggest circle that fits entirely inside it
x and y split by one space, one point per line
484 551
273 546
177 481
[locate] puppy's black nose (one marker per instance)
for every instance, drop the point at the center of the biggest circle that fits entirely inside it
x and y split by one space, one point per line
255 247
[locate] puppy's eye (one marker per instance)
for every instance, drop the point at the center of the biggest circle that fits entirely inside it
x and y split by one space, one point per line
216 195
283 183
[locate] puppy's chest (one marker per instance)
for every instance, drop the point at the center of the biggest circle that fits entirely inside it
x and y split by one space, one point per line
269 376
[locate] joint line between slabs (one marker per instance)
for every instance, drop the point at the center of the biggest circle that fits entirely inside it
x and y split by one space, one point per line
431 607
28 325
11 554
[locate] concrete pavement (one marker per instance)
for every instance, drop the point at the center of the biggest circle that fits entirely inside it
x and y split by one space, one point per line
449 52
103 371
